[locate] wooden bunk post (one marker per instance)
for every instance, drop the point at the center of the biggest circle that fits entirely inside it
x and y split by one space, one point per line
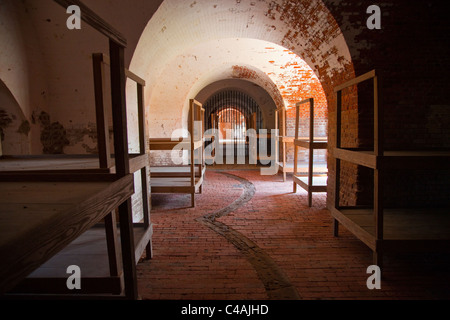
378 184
202 162
122 165
115 265
101 112
297 123
337 162
145 178
311 149
279 135
192 148
284 133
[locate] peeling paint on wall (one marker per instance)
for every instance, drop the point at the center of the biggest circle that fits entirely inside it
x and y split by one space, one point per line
5 121
53 135
24 128
84 135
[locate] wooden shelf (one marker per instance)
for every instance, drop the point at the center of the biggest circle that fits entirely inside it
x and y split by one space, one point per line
69 164
386 229
38 219
89 252
409 159
176 185
405 228
175 171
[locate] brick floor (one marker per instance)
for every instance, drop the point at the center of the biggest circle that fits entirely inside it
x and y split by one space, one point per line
193 261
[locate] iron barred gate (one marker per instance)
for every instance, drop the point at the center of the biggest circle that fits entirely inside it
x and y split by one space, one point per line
232 113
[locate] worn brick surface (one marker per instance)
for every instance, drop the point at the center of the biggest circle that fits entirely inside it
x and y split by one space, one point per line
191 261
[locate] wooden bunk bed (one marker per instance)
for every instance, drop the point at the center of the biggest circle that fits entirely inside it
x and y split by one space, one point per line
385 229
58 211
311 181
182 179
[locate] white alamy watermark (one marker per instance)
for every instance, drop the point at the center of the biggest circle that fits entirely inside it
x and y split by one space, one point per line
74 21
256 146
74 280
374 281
374 21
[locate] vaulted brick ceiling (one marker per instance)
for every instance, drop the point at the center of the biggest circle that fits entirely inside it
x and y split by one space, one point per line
287 45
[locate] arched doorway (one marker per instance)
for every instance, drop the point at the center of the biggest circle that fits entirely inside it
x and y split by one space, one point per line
232 113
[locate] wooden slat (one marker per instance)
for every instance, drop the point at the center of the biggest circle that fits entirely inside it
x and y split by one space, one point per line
49 163
403 224
143 235
297 124
131 75
363 158
364 77
138 162
103 141
173 172
285 139
91 18
319 183
415 159
316 145
304 101
354 228
115 267
118 79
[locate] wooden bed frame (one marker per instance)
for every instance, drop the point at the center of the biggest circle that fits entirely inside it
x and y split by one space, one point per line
311 182
388 229
58 211
182 179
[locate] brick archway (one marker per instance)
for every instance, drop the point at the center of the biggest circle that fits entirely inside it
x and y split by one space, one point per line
187 46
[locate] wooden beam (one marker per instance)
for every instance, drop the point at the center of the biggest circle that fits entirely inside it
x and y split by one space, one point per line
123 166
362 78
366 159
131 75
103 142
119 108
311 150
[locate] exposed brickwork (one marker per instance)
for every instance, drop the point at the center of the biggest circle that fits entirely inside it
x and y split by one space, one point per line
410 55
